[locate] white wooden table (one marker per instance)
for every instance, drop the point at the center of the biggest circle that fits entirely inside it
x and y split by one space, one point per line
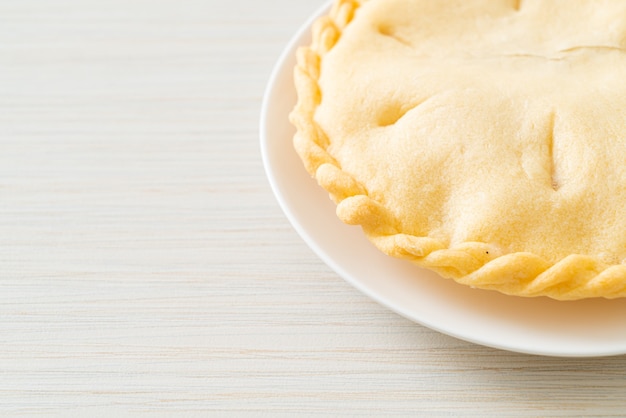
146 268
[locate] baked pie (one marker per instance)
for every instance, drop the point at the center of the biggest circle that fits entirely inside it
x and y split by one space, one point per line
481 139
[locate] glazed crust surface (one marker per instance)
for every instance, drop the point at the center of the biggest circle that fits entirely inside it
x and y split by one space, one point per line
482 139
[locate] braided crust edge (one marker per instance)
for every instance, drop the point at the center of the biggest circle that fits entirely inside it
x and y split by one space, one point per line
471 263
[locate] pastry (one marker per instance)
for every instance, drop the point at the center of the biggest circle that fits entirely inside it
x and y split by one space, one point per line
481 139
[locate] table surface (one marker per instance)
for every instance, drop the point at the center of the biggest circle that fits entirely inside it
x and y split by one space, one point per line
146 268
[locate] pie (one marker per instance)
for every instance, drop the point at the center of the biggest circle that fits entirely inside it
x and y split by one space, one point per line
481 139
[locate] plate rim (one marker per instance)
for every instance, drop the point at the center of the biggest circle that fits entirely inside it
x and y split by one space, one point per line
279 67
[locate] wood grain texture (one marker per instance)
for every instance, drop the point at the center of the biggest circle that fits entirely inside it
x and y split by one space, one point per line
145 267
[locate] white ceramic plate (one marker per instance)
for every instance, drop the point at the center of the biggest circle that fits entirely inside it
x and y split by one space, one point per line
537 326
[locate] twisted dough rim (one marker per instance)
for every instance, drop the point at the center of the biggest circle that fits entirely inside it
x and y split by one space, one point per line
522 274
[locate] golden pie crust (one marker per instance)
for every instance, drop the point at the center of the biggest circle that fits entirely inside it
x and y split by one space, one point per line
481 139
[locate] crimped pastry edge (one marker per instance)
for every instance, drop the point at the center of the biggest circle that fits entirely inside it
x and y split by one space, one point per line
521 274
